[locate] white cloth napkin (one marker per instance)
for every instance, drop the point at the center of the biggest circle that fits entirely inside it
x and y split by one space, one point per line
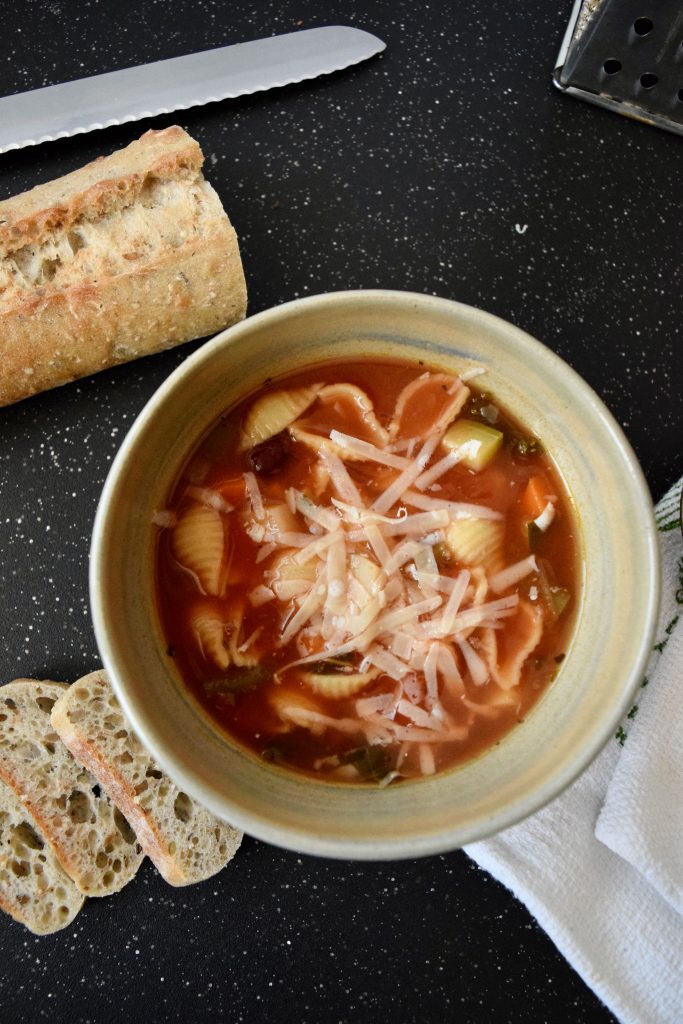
601 868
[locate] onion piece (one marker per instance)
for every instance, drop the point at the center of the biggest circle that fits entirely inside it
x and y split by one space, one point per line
546 517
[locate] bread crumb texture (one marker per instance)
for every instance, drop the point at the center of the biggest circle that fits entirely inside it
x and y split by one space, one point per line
90 837
34 889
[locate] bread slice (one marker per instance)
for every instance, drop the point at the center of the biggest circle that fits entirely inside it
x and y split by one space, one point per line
34 889
131 254
90 837
184 840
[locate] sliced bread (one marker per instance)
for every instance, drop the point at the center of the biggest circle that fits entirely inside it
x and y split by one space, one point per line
184 840
34 889
90 837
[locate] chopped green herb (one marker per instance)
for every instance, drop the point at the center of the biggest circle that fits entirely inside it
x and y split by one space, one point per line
237 680
525 445
620 735
633 712
272 754
371 762
331 666
534 534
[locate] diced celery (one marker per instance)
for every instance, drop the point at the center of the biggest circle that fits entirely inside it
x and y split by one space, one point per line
482 442
559 598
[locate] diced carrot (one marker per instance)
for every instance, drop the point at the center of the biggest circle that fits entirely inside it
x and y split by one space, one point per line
232 490
535 496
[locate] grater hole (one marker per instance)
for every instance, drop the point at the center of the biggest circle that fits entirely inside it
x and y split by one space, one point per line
642 26
648 80
612 66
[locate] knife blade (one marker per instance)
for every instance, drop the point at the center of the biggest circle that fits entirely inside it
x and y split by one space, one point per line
84 105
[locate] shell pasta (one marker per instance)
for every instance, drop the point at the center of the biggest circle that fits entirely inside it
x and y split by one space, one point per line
367 572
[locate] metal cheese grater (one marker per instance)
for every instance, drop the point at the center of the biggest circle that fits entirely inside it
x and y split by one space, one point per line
626 55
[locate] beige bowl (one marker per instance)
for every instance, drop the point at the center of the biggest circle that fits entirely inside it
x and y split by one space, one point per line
615 617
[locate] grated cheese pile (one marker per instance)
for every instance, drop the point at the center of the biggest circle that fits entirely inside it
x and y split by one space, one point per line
358 576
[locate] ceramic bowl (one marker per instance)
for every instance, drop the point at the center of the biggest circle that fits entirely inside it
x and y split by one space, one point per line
614 621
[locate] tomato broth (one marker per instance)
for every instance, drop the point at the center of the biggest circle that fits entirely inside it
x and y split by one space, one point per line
368 571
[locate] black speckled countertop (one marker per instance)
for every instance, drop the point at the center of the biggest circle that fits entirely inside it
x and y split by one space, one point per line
449 165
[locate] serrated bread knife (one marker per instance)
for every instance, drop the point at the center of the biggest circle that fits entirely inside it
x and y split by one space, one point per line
72 108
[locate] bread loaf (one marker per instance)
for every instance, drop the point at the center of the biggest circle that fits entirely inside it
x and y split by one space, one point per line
88 834
185 841
126 256
34 889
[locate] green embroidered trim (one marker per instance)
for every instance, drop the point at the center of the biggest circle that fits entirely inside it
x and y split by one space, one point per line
668 507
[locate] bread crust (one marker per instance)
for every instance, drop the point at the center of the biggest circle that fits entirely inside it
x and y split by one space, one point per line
99 310
95 189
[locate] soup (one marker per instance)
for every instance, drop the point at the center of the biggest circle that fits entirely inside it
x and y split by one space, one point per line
367 572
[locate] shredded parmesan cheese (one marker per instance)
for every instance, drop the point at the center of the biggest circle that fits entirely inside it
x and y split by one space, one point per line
513 574
407 477
365 450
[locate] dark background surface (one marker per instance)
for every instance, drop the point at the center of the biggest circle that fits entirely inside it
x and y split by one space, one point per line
448 165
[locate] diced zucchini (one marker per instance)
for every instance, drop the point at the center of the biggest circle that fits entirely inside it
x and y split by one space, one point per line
372 762
482 442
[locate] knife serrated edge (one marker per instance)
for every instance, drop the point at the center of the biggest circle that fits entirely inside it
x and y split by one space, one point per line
126 119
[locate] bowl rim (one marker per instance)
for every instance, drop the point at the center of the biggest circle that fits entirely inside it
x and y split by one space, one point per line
305 841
